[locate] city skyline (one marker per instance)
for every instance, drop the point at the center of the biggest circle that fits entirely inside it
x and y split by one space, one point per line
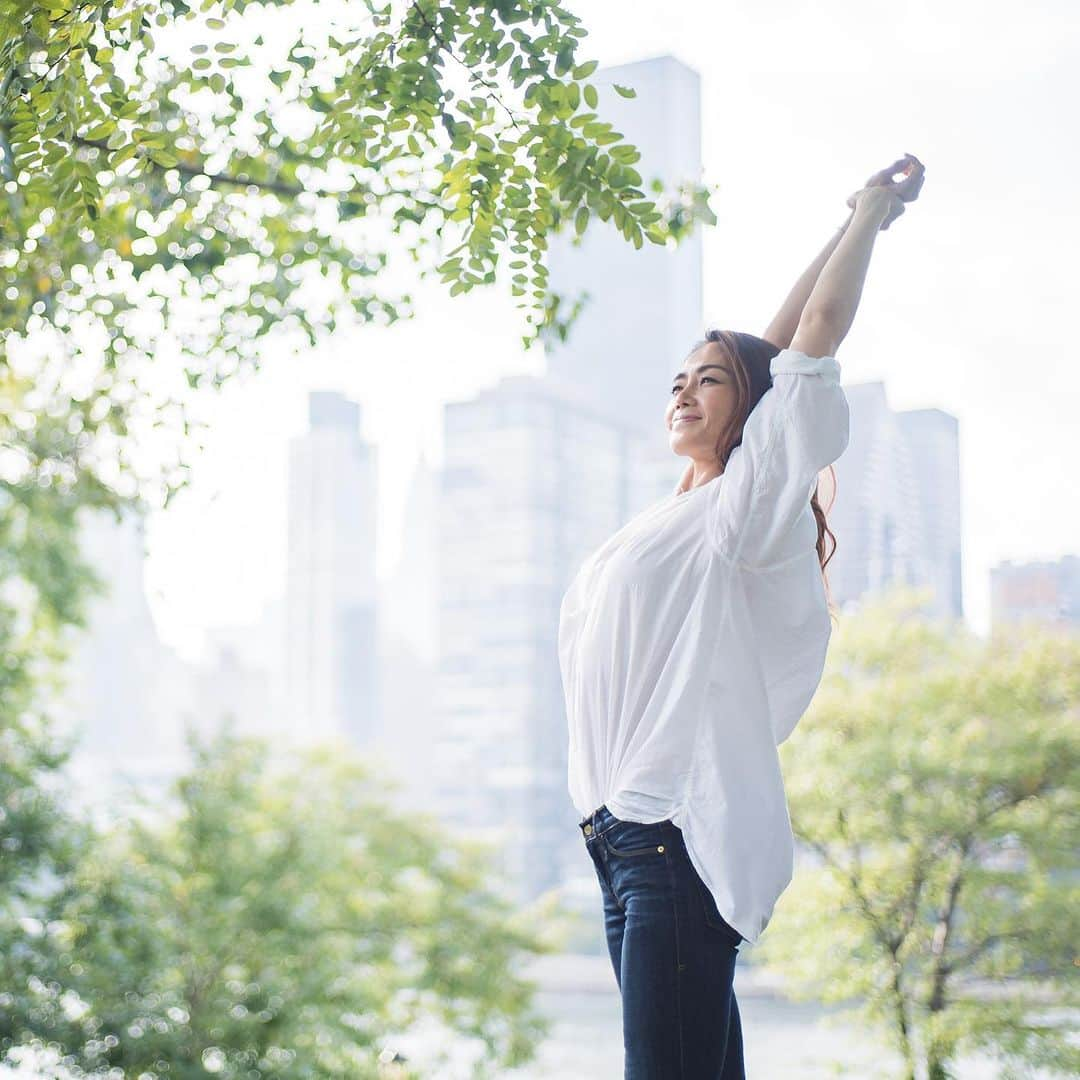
536 471
965 291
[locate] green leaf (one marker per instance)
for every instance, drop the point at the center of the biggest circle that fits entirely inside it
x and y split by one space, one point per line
121 155
102 131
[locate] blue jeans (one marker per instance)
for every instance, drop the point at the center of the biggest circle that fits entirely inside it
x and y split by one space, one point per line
673 953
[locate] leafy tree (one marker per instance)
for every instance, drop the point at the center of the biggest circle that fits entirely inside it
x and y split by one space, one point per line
280 921
181 180
936 778
43 588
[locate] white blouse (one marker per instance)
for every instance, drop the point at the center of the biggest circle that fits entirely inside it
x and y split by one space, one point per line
693 640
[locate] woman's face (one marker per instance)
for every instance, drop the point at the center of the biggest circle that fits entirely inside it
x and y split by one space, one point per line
703 397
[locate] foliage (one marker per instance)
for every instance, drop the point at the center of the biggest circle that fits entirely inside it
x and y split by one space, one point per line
184 179
278 921
43 587
937 779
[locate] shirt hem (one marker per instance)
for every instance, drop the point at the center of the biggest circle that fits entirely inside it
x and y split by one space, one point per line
679 818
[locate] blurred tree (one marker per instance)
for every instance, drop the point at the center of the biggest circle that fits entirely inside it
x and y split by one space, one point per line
43 589
280 921
937 778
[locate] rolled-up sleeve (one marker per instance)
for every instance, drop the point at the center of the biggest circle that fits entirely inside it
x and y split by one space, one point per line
798 427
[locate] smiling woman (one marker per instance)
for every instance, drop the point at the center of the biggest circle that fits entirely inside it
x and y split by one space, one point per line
726 377
690 644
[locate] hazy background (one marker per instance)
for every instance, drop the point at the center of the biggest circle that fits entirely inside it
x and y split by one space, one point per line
964 309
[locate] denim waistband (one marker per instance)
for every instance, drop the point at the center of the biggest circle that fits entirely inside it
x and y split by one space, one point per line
599 819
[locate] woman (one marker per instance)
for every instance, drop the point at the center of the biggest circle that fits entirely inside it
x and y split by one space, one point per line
691 642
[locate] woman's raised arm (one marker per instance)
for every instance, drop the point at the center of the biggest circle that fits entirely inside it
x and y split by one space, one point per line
786 321
782 329
831 306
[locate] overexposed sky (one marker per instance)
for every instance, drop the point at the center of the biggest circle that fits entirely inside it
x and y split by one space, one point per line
965 307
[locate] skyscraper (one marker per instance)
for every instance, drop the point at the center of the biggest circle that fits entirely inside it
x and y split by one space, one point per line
534 478
409 646
124 691
897 512
933 440
330 590
644 311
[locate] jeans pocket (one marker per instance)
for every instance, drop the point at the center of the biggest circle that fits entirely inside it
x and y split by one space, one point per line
628 838
713 918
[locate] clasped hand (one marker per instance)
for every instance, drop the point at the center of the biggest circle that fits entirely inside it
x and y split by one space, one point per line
897 192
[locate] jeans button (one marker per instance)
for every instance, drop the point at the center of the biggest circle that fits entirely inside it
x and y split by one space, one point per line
588 830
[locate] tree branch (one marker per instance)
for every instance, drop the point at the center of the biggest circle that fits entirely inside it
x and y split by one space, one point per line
415 6
276 187
963 959
942 932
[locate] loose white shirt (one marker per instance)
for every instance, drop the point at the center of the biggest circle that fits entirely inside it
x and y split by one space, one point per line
692 641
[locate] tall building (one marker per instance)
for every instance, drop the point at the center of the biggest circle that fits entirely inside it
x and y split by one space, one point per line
644 308
933 440
1047 592
409 611
534 478
111 699
409 645
330 624
897 512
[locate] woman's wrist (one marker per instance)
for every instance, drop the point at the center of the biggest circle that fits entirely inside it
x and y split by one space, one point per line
872 203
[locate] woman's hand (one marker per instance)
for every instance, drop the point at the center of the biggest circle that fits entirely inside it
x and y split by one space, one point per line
896 193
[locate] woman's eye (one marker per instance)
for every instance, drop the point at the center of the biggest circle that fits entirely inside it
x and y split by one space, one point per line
704 378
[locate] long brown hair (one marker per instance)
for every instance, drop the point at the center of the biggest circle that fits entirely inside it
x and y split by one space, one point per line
750 357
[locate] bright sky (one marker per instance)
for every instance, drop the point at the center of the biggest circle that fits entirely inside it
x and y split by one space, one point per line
964 309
